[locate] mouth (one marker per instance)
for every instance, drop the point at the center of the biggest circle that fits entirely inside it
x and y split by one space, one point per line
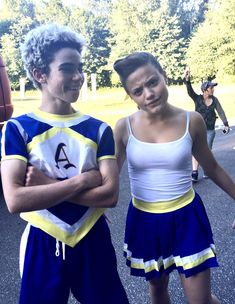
75 88
153 103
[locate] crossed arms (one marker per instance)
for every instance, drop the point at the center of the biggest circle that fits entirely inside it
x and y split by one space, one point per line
28 189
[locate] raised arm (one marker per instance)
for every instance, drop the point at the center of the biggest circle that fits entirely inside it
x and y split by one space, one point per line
188 84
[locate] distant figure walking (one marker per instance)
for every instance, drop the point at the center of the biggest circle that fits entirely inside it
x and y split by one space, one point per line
207 105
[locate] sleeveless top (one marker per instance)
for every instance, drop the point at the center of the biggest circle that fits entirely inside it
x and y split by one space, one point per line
159 171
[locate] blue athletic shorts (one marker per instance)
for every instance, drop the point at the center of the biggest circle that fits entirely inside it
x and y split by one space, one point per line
50 269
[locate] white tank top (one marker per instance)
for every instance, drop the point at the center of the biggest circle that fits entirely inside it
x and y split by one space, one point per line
159 171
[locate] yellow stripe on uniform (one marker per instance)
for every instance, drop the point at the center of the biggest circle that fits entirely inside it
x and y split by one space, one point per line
70 236
162 207
4 157
186 263
54 131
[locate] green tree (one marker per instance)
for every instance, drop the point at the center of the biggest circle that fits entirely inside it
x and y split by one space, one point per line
165 40
212 47
52 11
140 25
191 13
22 20
128 25
92 22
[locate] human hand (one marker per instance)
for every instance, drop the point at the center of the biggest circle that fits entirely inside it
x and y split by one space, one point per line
233 224
35 177
226 130
92 178
187 73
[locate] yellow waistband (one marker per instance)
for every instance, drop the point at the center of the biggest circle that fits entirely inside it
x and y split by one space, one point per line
162 207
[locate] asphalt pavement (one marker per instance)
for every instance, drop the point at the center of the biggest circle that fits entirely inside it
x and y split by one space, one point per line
221 211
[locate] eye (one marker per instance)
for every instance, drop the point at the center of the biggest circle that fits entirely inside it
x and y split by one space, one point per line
67 68
153 82
137 92
71 69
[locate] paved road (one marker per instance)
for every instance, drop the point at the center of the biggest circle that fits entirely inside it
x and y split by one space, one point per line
221 211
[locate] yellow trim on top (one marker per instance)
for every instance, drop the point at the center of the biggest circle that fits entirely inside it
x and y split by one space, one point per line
51 116
162 207
70 239
6 157
106 157
53 131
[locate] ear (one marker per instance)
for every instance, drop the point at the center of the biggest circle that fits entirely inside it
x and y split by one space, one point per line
39 76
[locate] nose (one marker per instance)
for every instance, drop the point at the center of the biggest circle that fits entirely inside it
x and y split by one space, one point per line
78 75
149 94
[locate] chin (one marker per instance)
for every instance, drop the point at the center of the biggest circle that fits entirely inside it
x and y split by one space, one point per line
74 98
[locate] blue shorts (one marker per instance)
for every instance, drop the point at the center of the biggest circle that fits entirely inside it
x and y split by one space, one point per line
157 243
50 269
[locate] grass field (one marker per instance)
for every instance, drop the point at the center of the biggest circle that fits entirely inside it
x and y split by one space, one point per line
112 104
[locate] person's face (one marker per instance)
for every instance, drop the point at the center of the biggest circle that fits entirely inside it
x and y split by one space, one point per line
210 91
147 87
65 77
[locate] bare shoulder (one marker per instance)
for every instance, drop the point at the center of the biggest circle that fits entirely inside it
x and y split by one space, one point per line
177 114
196 118
197 125
121 123
120 130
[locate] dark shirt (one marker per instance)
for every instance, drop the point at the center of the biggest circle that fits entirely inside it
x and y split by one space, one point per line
208 112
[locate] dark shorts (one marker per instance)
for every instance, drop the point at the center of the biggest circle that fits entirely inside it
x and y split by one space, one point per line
157 243
89 270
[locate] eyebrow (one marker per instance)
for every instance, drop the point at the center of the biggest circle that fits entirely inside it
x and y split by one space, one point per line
151 78
80 65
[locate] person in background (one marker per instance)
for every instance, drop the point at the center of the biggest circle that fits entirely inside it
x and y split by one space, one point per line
207 105
166 227
60 172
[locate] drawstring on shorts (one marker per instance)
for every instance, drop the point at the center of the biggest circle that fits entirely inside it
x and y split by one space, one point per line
57 251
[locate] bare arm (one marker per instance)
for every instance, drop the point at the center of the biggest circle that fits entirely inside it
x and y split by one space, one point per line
103 195
204 156
106 194
120 136
188 84
206 159
20 198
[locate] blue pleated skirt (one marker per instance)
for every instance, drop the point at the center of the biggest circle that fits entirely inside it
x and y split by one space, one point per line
157 243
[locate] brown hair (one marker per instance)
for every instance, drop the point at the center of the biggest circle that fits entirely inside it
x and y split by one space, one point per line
127 65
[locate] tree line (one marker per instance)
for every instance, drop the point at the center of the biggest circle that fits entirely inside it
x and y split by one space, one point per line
195 33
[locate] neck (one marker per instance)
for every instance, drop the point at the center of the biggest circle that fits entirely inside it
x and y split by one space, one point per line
59 109
206 96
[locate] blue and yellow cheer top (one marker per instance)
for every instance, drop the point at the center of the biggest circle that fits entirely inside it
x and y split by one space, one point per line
61 146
